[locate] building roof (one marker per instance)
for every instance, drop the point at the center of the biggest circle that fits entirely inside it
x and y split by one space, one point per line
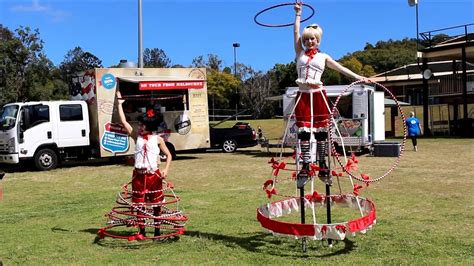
412 72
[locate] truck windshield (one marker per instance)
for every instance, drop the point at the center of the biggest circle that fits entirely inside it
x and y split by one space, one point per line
8 117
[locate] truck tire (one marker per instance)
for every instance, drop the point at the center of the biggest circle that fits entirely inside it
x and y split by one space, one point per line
229 145
45 159
172 150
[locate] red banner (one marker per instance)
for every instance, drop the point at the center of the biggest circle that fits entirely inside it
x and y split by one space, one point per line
171 85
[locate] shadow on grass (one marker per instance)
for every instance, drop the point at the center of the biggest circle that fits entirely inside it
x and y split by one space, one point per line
258 242
278 246
257 153
121 243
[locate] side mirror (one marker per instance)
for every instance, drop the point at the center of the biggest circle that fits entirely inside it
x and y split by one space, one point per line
25 119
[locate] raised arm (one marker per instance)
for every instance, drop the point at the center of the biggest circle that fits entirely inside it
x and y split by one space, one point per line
331 63
296 29
123 120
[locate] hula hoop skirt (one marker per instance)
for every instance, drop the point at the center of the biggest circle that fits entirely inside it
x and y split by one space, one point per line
148 201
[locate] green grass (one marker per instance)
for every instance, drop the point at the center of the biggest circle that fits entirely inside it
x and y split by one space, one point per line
425 210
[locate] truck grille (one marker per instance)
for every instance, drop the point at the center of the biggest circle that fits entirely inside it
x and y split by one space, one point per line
3 147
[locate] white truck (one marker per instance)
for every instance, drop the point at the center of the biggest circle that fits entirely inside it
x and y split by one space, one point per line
360 119
48 132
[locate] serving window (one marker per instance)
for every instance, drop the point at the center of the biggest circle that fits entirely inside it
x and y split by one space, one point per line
138 100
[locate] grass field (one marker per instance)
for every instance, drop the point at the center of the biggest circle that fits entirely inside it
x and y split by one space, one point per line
425 210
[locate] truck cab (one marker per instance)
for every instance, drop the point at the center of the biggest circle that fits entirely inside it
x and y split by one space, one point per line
45 132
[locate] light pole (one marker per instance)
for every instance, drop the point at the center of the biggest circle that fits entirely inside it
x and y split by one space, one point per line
425 73
236 45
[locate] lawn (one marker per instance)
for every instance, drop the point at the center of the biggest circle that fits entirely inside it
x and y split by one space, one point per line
425 210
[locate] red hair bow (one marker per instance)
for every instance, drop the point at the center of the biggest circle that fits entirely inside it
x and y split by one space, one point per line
366 178
356 189
277 168
150 113
341 227
269 192
315 197
314 168
334 173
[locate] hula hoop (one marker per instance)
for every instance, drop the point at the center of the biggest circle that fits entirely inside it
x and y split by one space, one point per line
281 25
331 138
126 213
266 214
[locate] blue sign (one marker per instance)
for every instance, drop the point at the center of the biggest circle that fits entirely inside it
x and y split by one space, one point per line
108 81
114 142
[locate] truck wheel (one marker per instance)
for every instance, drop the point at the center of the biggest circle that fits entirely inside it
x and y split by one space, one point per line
46 159
172 151
229 145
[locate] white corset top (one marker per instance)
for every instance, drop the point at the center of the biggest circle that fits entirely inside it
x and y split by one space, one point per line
309 73
147 153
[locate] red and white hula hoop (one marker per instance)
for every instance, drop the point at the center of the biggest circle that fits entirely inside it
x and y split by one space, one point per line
267 216
332 140
126 213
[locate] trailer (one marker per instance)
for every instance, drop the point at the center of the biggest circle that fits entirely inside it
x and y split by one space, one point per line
87 126
359 120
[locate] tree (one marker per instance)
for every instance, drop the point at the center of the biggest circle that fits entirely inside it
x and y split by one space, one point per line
386 55
255 91
439 38
221 87
284 76
26 71
156 58
355 66
76 61
212 63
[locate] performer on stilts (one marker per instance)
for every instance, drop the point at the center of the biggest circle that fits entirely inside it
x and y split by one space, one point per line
314 117
312 110
312 105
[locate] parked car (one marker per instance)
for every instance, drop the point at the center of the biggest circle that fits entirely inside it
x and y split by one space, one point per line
241 135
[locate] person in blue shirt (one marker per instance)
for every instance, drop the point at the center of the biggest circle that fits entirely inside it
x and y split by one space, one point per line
414 129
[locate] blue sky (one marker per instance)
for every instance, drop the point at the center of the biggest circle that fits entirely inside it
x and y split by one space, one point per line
185 29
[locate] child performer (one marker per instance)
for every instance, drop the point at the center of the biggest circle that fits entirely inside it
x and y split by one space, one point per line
147 178
312 106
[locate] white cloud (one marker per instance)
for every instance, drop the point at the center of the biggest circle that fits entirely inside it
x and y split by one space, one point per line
56 15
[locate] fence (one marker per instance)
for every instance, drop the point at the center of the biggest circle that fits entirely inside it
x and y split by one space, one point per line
228 114
444 119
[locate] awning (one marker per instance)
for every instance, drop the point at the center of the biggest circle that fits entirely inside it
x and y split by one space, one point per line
164 82
391 103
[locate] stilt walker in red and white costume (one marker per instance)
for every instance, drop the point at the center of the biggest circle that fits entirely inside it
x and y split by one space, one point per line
312 107
317 129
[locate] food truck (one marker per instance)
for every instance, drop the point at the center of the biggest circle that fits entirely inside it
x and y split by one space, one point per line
87 126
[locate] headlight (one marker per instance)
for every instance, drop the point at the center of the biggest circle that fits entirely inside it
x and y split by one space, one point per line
11 145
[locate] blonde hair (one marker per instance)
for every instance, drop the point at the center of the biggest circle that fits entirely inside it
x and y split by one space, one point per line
310 31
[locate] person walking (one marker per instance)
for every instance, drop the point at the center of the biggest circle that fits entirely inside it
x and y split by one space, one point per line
414 129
